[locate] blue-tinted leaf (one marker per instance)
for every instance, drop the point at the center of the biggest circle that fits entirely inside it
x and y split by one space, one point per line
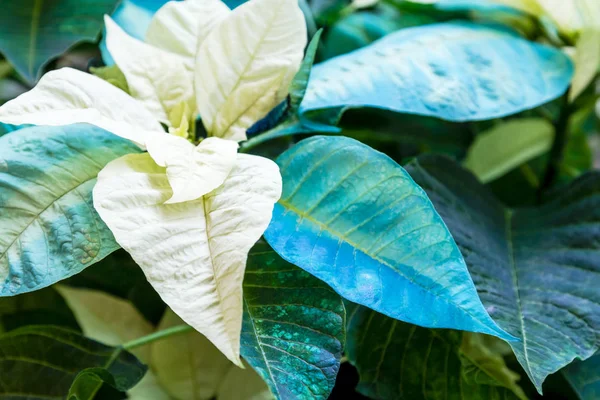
536 269
453 71
584 377
294 327
354 218
49 229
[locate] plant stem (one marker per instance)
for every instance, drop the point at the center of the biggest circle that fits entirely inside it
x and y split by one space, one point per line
175 330
558 146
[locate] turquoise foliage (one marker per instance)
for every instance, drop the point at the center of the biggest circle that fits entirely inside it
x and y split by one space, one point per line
453 71
584 377
49 229
354 218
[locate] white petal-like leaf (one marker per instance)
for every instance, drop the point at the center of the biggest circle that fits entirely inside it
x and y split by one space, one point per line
156 78
245 65
192 170
193 253
68 96
181 26
190 367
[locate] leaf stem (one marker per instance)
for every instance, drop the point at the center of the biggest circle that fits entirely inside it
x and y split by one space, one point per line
175 330
558 146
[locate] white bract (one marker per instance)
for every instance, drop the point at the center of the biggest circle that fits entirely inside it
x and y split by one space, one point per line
187 214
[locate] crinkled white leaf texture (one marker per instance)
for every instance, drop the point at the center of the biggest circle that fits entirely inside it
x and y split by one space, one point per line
245 65
190 367
193 253
181 26
158 79
193 171
68 96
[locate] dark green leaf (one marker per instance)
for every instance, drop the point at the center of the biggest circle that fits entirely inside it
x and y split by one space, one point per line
294 327
41 362
119 275
536 269
32 32
89 382
397 360
300 82
49 229
42 307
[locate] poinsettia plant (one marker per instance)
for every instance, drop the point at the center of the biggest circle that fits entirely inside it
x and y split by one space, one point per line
264 198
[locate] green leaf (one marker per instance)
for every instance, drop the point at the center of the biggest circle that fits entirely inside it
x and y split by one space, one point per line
112 75
584 377
536 269
354 218
300 82
396 360
587 60
508 145
189 366
42 307
88 383
32 32
49 229
56 356
120 276
294 327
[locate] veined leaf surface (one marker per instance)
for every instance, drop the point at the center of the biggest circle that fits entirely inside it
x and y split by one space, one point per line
536 269
354 218
49 229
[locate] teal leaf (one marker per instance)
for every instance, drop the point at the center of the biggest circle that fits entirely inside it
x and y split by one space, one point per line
49 229
536 269
294 327
453 71
56 356
584 377
354 218
32 32
396 360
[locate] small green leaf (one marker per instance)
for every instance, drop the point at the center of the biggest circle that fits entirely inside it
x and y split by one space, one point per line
536 269
112 75
294 327
508 145
56 356
49 229
88 383
300 82
396 360
587 60
32 32
584 377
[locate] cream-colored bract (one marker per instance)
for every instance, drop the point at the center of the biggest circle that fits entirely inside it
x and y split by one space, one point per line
181 26
193 253
193 171
68 96
190 367
156 78
245 65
